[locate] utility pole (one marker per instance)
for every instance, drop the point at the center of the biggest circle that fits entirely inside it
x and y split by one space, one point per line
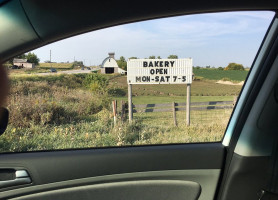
50 59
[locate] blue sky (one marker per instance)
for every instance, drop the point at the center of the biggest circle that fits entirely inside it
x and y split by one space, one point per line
210 39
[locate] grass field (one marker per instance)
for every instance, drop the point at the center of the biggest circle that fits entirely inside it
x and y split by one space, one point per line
215 74
58 112
56 65
199 88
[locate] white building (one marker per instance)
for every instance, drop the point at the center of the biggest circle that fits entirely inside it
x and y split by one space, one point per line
110 66
22 63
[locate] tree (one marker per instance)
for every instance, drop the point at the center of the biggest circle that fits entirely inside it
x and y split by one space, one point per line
151 57
122 63
220 68
122 59
234 66
32 58
158 57
78 64
172 57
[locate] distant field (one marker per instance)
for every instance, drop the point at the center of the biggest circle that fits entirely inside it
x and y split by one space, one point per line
215 74
56 65
199 88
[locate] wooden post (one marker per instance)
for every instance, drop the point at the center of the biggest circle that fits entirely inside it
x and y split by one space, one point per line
123 111
130 106
174 114
188 104
114 106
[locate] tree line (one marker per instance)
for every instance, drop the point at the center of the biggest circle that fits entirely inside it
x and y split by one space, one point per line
230 66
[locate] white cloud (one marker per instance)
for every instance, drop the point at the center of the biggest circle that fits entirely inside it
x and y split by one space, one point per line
240 33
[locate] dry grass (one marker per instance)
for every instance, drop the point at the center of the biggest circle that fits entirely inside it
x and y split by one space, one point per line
59 113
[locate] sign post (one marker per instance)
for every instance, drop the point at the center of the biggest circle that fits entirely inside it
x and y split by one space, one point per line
159 71
130 105
188 94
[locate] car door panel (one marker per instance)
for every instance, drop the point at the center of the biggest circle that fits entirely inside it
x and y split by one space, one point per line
147 189
51 171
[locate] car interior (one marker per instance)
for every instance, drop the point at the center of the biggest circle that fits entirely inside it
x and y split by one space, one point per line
242 166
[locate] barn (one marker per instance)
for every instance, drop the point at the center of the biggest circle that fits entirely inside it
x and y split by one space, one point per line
110 66
22 63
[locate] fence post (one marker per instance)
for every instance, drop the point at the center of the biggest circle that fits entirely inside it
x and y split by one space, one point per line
130 105
174 114
123 111
114 107
188 104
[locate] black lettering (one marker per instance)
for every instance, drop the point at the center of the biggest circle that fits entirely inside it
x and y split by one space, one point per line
157 79
166 64
156 63
165 71
161 63
150 64
162 79
172 63
183 78
138 79
145 64
167 78
152 71
146 79
157 71
175 78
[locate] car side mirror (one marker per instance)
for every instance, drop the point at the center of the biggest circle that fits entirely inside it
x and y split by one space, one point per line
4 119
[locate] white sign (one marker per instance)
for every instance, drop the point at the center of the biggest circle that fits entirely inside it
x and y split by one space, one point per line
159 71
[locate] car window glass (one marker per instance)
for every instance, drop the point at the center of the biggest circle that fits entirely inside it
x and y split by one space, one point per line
74 93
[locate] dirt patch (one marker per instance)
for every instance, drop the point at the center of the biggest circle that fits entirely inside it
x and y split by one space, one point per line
229 83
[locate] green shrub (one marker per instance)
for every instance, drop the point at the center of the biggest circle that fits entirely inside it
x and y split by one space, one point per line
96 83
234 66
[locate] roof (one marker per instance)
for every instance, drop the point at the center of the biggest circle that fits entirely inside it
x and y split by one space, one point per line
17 60
113 63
